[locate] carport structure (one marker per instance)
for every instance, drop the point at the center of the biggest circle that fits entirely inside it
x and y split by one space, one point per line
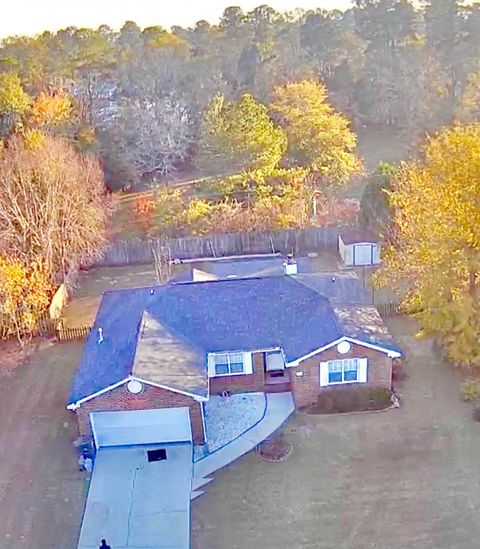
140 489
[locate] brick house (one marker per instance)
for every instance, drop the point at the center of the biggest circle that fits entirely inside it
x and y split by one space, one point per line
172 346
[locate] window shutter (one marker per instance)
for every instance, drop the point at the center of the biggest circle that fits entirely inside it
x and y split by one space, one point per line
323 374
247 363
362 370
211 365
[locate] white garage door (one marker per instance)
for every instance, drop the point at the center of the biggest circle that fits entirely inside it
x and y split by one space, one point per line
141 427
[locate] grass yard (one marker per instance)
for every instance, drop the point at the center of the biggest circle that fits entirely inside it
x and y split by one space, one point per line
41 492
402 479
378 144
81 310
382 144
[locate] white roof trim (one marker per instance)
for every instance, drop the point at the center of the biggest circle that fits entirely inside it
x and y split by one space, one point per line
266 350
374 242
78 403
166 387
389 352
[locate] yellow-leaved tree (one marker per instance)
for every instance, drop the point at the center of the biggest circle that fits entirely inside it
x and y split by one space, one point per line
432 254
51 108
318 137
14 102
25 292
237 136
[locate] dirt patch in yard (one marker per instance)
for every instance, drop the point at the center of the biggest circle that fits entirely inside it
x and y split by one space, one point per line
11 356
273 449
41 491
404 479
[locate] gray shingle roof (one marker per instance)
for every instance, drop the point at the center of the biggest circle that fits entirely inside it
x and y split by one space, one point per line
163 334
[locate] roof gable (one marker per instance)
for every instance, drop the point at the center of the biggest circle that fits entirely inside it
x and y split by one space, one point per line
163 357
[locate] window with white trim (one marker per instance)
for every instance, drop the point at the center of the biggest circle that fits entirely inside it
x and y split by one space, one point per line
228 363
343 371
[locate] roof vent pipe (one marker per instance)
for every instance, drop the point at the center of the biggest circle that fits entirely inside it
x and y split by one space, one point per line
290 265
100 335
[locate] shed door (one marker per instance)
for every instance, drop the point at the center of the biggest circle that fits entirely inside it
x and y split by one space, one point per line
131 428
362 254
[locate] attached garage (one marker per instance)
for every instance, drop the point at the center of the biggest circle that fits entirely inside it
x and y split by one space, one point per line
138 427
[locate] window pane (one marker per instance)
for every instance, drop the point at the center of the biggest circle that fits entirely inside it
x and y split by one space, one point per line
335 366
350 370
221 359
221 369
236 363
350 375
334 377
236 367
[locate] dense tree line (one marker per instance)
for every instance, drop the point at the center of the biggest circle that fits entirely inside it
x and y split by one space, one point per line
144 92
53 201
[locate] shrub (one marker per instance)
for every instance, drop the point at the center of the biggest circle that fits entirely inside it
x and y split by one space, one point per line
470 389
476 412
351 400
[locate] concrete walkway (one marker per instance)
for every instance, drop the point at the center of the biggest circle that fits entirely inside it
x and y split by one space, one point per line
279 407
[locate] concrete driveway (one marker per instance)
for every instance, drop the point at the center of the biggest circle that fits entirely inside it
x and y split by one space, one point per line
134 503
402 479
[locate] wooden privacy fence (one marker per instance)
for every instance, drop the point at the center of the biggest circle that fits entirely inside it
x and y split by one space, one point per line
53 329
297 241
49 327
388 310
69 334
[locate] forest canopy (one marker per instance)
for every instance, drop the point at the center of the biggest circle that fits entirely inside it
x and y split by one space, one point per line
142 94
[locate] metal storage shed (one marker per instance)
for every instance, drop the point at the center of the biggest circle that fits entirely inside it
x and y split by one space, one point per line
358 248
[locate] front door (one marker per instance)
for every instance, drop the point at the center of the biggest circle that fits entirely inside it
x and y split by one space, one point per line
276 375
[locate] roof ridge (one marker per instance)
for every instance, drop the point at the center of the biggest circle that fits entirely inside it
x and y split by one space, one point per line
228 279
172 331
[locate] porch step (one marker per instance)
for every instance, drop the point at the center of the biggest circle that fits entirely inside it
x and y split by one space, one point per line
199 482
277 387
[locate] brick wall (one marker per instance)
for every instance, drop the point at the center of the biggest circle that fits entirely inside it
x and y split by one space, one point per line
120 399
306 388
241 383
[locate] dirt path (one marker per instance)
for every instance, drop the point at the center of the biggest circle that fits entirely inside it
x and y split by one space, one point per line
41 491
403 479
